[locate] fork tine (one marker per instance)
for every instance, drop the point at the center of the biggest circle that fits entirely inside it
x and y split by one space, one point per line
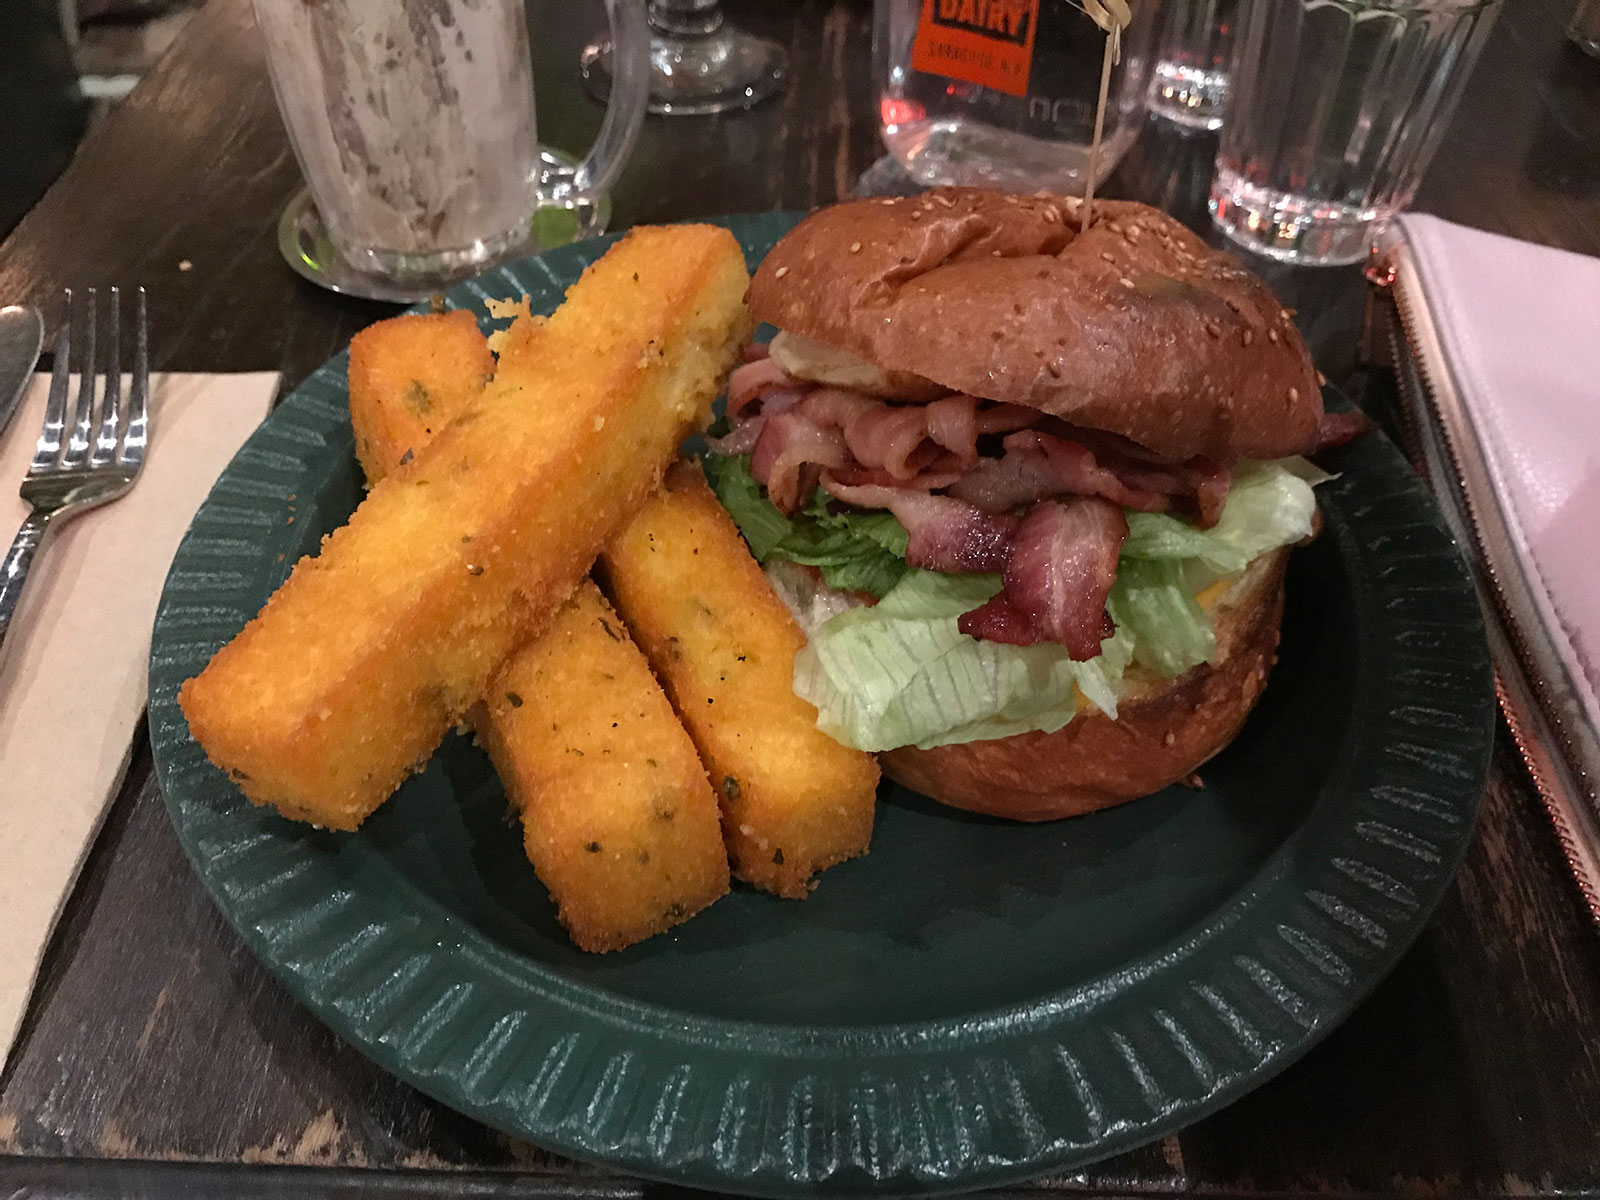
55 408
78 443
105 442
133 444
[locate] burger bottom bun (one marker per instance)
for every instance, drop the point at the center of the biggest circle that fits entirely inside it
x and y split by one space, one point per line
1165 728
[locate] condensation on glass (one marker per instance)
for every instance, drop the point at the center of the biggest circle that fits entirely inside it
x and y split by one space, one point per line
413 121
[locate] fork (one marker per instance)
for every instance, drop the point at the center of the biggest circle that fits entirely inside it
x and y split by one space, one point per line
71 473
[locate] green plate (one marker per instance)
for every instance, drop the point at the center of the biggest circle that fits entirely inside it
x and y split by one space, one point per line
972 1003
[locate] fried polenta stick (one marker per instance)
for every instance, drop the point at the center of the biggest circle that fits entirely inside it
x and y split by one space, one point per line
794 800
350 676
409 377
618 818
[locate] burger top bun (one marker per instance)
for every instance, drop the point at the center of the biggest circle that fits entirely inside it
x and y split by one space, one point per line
1133 326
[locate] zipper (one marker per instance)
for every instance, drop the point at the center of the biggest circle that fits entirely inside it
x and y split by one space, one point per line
1559 749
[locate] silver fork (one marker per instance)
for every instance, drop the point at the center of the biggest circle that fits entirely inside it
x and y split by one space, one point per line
72 472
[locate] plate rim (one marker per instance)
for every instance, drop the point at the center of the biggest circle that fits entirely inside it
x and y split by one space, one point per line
313 411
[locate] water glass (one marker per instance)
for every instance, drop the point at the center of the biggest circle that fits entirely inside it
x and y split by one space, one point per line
1189 71
1002 93
414 127
1337 109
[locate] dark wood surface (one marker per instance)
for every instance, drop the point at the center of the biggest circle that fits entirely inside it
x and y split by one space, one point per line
158 1057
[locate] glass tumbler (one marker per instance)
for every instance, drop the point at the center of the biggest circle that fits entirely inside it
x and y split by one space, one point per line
1002 93
1189 64
413 121
1337 109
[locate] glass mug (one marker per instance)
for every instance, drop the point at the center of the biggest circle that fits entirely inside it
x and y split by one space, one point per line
1002 93
413 121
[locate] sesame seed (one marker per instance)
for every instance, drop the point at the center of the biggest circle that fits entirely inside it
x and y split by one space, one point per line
944 201
1125 282
1168 738
916 214
855 247
1109 257
780 272
1213 329
1322 380
1050 217
1294 395
1248 336
1272 336
996 253
1286 313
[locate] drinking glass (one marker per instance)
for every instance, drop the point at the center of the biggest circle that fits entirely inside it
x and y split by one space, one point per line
1003 95
413 121
698 63
1189 65
1337 109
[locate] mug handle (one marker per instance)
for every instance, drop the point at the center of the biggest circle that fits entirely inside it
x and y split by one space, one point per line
625 109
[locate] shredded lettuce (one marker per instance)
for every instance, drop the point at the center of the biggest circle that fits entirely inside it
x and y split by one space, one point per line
900 673
1269 505
1154 605
856 551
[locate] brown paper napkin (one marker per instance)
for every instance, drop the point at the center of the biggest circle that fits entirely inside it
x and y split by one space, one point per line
72 681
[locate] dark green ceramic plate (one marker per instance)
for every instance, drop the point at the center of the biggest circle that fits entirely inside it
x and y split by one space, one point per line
973 1002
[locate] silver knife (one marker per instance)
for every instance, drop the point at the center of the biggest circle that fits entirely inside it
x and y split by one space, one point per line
21 339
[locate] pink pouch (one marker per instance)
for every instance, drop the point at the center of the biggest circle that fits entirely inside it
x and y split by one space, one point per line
1497 351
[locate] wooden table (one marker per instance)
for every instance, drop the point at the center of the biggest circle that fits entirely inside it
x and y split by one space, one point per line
159 1057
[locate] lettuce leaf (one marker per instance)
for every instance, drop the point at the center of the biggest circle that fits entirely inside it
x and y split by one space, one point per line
1152 603
763 526
856 551
900 673
1270 504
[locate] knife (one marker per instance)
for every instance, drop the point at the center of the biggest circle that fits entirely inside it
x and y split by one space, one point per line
21 339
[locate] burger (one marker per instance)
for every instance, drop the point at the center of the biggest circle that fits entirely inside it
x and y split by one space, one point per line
1028 482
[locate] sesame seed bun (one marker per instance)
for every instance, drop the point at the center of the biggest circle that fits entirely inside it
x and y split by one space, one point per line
1133 326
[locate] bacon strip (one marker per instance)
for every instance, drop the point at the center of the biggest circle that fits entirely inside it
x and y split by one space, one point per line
943 534
1337 428
1061 568
789 454
751 379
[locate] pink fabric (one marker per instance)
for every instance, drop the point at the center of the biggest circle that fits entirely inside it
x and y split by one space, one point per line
1520 327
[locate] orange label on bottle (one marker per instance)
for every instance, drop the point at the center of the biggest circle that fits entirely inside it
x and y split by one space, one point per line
987 42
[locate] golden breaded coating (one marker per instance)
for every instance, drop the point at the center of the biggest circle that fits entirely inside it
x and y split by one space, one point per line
409 376
794 800
356 667
618 818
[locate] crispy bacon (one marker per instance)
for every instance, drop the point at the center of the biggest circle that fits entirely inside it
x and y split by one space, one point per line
1337 428
1039 465
943 534
789 454
751 379
1058 557
1060 570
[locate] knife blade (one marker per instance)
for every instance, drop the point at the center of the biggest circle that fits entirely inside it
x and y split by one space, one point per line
21 339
